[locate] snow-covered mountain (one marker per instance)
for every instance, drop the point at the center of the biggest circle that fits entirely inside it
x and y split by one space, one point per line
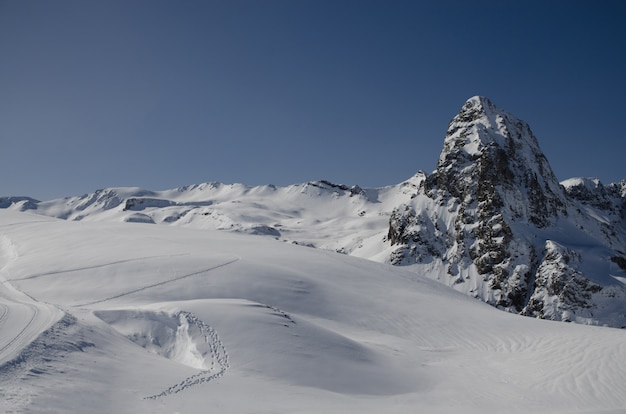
132 318
491 221
209 297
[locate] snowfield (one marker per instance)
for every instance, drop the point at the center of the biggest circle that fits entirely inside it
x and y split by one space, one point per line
136 318
491 221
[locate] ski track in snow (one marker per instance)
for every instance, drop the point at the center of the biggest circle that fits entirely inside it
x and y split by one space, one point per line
219 359
78 269
160 283
24 222
21 317
19 339
25 313
45 355
5 310
539 365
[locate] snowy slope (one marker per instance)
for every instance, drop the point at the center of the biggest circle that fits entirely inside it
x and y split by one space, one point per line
142 318
318 214
491 221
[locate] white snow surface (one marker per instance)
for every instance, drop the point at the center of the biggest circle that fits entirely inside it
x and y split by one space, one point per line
334 217
316 214
141 318
589 183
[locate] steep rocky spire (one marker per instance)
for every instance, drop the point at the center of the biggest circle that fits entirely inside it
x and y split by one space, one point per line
494 216
491 156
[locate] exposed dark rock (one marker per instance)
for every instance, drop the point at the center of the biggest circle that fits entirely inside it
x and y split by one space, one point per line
138 204
354 190
621 262
24 203
499 187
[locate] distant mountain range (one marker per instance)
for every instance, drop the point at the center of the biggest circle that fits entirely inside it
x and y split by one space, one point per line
491 221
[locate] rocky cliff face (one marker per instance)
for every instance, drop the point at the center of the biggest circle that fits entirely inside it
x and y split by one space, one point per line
491 160
603 206
561 290
493 214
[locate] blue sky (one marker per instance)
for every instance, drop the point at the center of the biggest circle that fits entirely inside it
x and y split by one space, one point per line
160 94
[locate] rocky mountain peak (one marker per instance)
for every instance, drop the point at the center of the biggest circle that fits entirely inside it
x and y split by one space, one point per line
494 216
490 156
476 109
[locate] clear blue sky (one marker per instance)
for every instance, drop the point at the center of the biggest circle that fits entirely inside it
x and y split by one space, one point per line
160 94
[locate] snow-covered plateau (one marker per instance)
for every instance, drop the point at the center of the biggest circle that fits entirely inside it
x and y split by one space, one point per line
444 293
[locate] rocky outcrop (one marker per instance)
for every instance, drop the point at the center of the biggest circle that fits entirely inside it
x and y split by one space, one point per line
325 184
416 234
19 203
138 204
592 192
493 160
561 290
604 206
489 212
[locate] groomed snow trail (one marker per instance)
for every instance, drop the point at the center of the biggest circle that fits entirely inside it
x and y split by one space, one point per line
23 318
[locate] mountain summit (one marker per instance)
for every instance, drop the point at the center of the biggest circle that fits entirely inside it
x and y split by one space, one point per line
494 159
494 216
491 220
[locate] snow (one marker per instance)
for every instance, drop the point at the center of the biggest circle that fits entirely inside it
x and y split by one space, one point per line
588 183
210 298
340 219
356 222
21 317
132 317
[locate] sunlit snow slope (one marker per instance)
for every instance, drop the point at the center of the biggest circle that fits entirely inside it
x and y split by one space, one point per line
491 221
129 317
